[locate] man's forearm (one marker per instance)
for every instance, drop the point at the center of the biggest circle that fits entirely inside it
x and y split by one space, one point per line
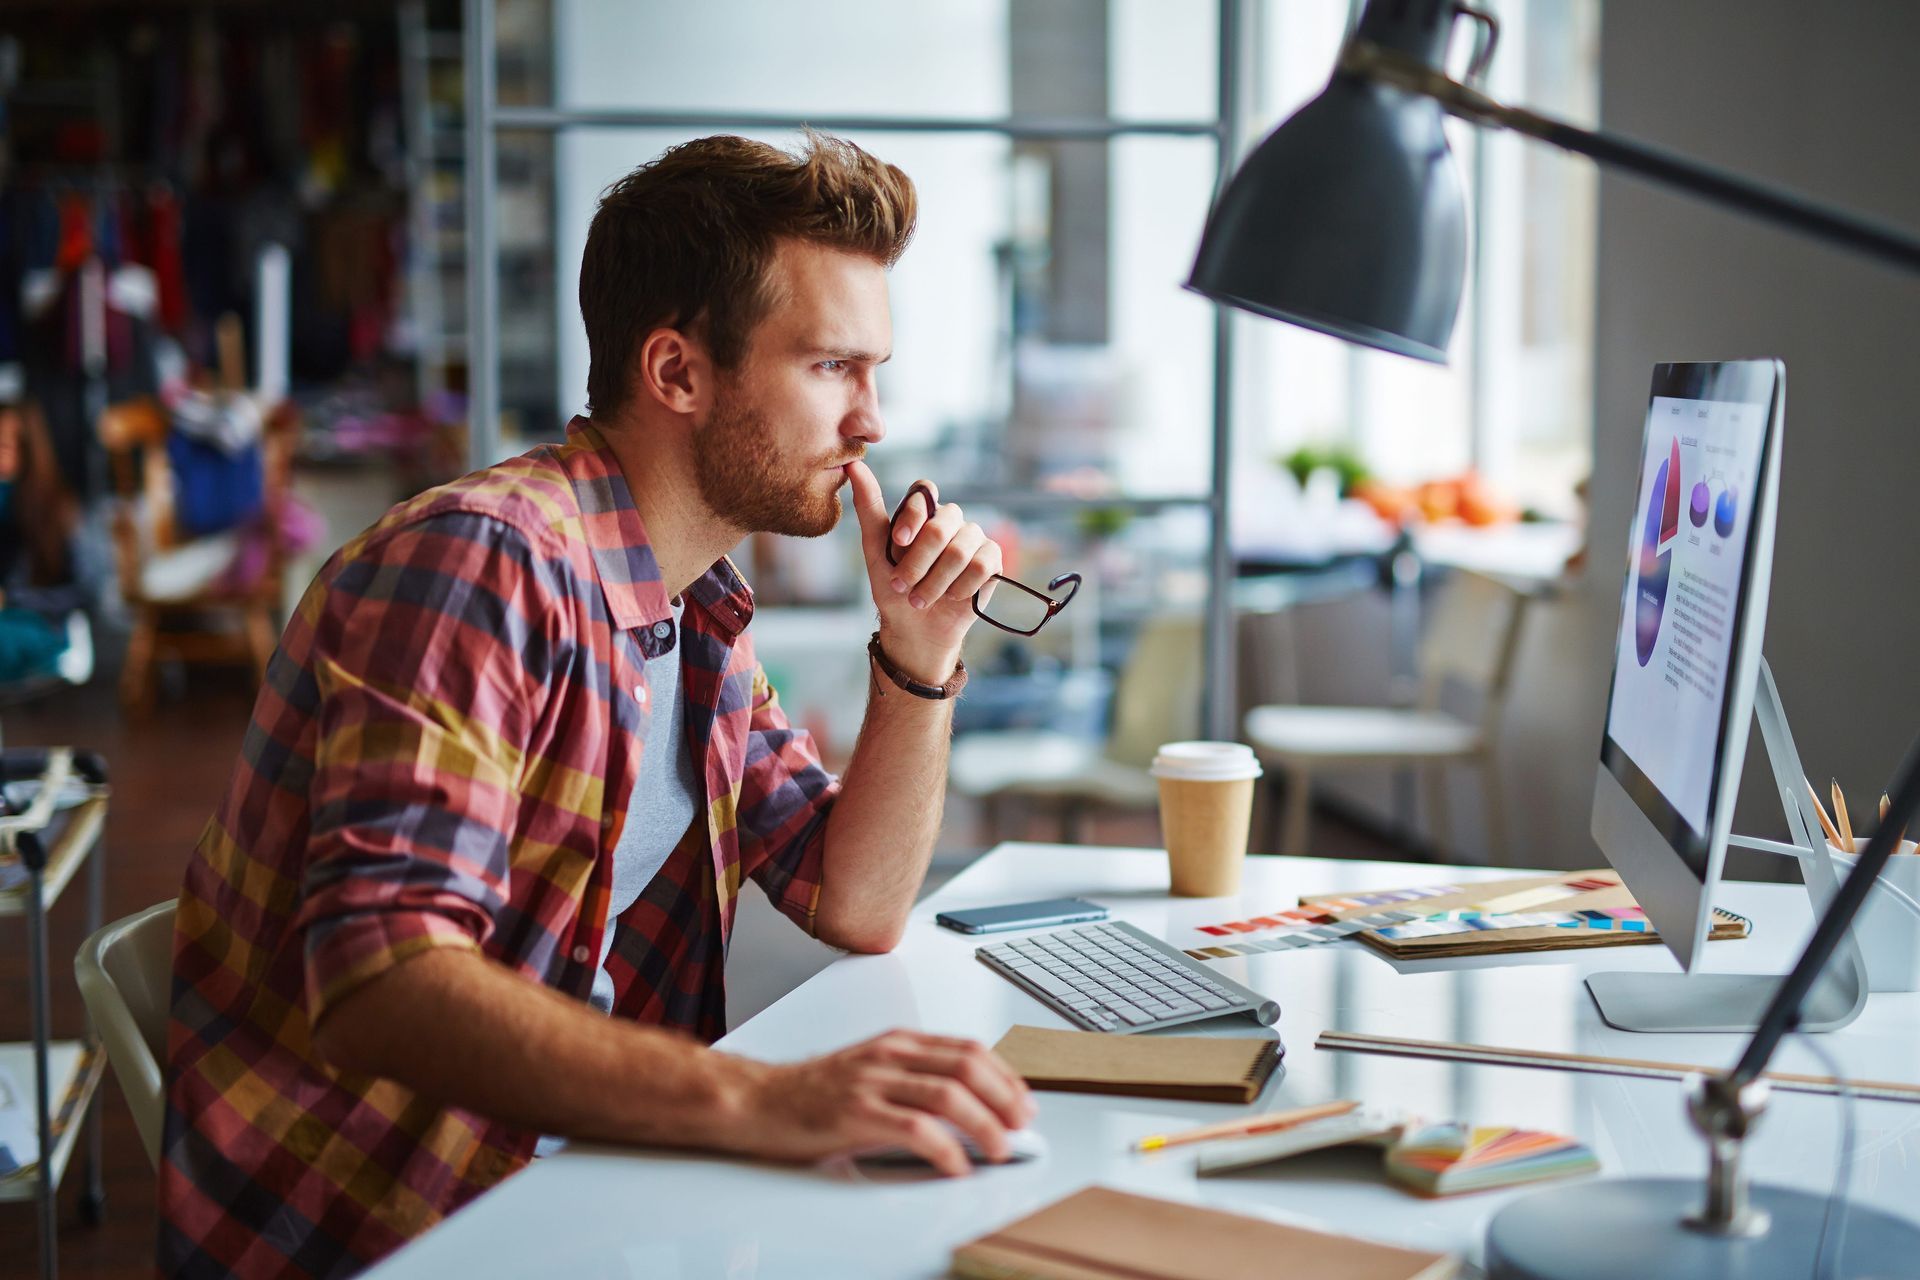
465 1031
882 827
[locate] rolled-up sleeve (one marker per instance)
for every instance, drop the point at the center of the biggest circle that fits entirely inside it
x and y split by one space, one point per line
432 657
785 796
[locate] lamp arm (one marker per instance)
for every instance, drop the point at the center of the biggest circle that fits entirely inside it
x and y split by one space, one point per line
1783 1012
1789 209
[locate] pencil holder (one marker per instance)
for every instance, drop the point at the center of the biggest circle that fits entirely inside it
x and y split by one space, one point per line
1887 928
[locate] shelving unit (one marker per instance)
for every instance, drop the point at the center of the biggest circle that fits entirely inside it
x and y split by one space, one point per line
51 839
430 63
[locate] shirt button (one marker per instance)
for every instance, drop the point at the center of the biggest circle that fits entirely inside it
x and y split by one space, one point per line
640 694
580 955
662 630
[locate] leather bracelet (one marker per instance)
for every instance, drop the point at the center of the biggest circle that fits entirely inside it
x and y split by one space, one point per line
932 692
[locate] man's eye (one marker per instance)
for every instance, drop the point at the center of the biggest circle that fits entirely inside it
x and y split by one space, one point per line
832 366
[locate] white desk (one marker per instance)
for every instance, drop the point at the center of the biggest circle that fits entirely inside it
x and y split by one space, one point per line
606 1212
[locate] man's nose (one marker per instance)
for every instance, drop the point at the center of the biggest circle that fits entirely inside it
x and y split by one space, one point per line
863 421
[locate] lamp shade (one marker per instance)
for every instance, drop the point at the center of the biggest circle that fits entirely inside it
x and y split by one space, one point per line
1349 218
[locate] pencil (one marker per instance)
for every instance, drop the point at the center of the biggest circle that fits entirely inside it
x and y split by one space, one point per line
1272 1121
1840 817
1826 823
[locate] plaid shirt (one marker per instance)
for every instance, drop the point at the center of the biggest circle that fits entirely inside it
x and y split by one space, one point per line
441 756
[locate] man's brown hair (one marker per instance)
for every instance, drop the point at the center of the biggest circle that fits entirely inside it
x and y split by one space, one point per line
685 241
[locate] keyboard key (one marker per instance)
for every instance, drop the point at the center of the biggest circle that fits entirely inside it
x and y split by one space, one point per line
1130 1015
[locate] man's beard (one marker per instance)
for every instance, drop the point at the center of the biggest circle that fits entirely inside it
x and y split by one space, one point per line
744 480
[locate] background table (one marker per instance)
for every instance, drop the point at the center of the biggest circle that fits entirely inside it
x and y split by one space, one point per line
604 1211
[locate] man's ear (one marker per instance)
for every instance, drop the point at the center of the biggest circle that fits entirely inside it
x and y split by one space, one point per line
673 369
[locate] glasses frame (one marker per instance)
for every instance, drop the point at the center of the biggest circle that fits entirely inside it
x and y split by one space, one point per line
1071 581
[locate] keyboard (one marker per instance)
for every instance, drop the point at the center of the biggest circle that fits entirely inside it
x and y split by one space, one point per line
1114 977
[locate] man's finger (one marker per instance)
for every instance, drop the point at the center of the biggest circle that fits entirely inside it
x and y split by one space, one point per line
932 1141
929 541
946 1098
869 508
913 512
946 570
986 1074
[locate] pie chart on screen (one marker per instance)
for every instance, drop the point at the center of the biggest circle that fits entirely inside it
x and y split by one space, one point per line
1656 554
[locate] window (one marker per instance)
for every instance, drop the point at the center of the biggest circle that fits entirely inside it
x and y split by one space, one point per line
1515 403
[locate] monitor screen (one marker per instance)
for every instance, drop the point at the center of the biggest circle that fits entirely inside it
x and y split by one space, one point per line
1683 602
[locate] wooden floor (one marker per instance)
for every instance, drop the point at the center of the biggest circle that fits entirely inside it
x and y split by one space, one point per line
167 774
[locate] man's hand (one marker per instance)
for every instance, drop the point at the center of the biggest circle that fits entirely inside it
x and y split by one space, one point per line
893 1090
926 600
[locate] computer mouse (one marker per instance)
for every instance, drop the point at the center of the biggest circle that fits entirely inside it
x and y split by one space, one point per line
1022 1144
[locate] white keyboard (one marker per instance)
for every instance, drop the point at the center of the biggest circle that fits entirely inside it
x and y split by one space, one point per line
1114 977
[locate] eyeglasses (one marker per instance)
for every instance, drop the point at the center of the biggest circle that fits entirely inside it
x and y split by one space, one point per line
1021 610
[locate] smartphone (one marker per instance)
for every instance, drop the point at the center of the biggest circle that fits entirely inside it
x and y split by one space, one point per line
1022 915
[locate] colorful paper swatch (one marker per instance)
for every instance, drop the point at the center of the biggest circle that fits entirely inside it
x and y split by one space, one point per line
1323 910
1622 919
1400 925
1305 936
1427 1159
1447 1159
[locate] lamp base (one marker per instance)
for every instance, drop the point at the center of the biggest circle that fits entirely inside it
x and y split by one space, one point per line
1613 1227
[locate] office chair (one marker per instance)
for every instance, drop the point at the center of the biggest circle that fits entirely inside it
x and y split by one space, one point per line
1156 700
1471 641
125 972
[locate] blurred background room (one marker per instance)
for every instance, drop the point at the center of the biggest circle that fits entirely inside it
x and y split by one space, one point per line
267 269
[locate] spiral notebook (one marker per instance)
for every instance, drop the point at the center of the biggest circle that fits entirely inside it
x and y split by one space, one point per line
1197 1068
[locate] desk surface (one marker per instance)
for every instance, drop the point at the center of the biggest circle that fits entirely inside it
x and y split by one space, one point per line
603 1211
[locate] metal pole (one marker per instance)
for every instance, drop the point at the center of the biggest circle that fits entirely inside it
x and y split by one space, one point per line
44 1187
94 1199
1220 648
483 243
1029 128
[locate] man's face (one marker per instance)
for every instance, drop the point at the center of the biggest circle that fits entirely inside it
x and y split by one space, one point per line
801 404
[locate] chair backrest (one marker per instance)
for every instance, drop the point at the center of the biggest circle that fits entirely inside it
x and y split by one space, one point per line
125 972
1157 698
134 434
1472 640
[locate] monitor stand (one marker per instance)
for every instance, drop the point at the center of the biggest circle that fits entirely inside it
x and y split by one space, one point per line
1735 1001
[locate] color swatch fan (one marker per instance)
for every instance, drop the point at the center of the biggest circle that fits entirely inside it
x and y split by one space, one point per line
1447 1159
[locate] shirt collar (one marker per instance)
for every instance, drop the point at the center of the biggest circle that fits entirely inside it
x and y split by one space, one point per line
622 553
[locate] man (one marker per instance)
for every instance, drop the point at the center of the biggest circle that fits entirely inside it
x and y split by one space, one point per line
514 757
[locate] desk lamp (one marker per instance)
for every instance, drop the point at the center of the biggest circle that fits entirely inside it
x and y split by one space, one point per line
1350 219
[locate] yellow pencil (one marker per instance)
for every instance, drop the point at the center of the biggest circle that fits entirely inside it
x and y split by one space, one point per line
1840 817
1268 1123
1826 823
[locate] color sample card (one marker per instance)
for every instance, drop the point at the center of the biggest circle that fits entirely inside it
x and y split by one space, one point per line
1624 920
1322 910
1447 1159
1399 925
1307 936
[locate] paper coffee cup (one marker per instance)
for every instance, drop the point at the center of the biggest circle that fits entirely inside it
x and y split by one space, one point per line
1206 805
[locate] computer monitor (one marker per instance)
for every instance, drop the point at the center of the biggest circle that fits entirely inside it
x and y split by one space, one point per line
1685 668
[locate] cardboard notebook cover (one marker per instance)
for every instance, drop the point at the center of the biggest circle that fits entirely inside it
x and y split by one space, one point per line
1491 942
1199 1068
1102 1234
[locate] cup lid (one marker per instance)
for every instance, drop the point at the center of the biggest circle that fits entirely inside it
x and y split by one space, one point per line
1205 762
